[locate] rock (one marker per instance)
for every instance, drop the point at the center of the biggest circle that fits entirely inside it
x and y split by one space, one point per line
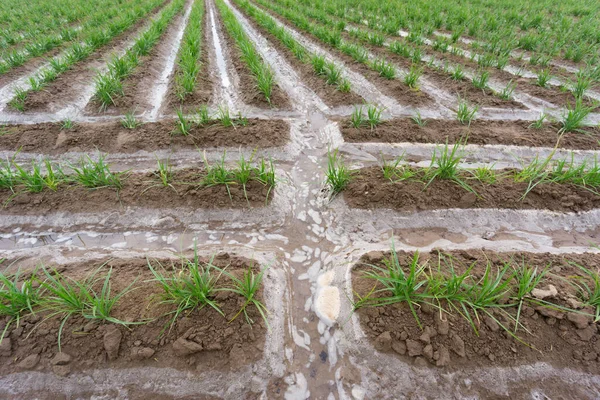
420 362
184 347
586 334
5 347
458 345
399 347
29 362
579 320
61 370
574 303
428 352
443 356
141 353
425 336
491 323
443 327
542 294
61 359
384 342
414 348
112 342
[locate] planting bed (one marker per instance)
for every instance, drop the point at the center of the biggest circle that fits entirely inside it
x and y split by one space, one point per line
202 199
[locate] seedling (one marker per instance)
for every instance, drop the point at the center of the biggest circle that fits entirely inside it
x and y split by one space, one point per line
481 81
67 124
183 125
97 174
248 287
412 78
573 117
466 114
338 175
384 68
445 165
130 121
357 119
17 297
418 120
539 123
374 115
543 78
507 92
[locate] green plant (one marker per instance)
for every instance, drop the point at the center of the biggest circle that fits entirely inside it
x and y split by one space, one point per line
203 115
318 63
183 125
507 92
589 289
67 124
18 296
418 120
464 113
458 74
527 278
338 175
248 287
539 123
384 68
573 117
543 78
374 115
97 174
445 164
412 78
129 121
356 118
481 81
344 86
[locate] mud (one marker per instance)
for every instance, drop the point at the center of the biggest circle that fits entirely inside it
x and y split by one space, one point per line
517 133
48 138
448 341
217 343
369 189
139 190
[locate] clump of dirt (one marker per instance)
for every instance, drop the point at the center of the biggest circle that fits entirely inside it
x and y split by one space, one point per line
516 133
370 189
328 93
200 340
139 190
49 138
563 339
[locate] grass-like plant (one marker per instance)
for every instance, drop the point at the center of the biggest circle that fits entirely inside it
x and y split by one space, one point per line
411 79
18 296
543 78
129 121
466 114
573 117
445 164
337 175
248 286
97 174
384 68
589 289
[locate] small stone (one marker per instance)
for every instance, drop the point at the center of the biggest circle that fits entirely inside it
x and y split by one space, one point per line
491 323
428 352
399 347
403 335
586 334
443 327
61 370
545 294
141 353
184 347
414 348
137 343
112 342
574 303
443 356
458 345
29 362
61 359
579 320
5 347
384 342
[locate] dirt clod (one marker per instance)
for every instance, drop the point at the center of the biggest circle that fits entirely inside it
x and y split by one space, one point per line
112 342
29 362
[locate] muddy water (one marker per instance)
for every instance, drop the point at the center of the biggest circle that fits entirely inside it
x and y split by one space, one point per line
316 349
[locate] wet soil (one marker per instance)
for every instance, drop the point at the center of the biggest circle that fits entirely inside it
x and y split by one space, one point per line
480 132
391 87
328 93
139 190
447 340
29 67
203 91
66 87
247 84
200 340
49 138
370 189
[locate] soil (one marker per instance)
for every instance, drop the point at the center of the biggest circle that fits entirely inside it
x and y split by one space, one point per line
49 138
139 190
65 88
328 93
391 87
448 341
203 91
247 84
369 189
517 133
200 340
27 68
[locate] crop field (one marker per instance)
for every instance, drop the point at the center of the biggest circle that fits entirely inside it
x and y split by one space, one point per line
283 199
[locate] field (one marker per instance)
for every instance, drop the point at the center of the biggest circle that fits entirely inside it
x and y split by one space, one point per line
269 199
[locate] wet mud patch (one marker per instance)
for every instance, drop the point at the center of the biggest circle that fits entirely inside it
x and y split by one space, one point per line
198 341
369 189
517 133
247 87
145 190
328 93
49 138
447 340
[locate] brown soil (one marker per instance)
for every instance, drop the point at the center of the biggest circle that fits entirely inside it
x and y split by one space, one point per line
29 67
62 89
48 138
139 190
447 340
369 189
552 94
464 89
391 87
328 93
481 132
247 84
213 342
204 85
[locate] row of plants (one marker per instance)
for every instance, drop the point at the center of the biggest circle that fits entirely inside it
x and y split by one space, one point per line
261 71
185 287
331 35
95 174
109 85
460 290
78 52
331 73
95 15
447 163
190 53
